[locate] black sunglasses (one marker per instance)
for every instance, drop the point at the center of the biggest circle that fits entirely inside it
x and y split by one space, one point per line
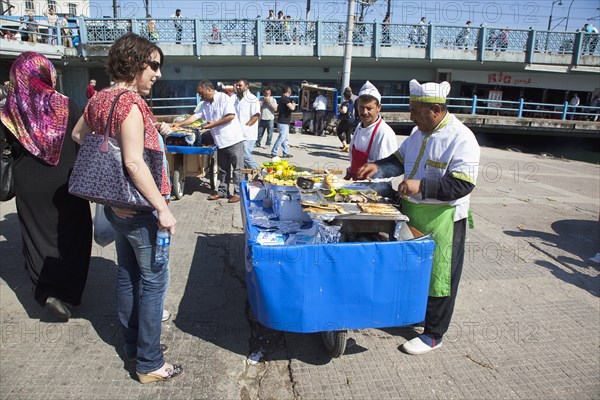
154 65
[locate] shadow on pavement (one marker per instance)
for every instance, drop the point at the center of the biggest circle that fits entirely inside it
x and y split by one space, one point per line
576 237
98 302
214 306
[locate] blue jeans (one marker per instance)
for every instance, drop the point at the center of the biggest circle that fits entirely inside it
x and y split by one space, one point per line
268 124
141 287
249 161
282 140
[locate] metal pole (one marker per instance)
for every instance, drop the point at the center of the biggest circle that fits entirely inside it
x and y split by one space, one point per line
389 8
307 10
347 66
568 13
549 25
115 9
550 17
147 6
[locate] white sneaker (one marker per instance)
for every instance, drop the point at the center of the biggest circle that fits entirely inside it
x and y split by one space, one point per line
166 315
596 258
421 344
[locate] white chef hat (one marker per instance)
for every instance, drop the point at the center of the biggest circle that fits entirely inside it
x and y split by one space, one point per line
429 92
369 89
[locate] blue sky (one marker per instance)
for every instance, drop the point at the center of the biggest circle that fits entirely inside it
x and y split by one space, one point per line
502 13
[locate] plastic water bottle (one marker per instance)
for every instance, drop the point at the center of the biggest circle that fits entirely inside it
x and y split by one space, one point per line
163 242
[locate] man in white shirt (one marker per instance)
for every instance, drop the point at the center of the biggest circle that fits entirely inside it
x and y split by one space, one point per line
268 106
247 108
573 105
178 25
218 110
52 29
320 106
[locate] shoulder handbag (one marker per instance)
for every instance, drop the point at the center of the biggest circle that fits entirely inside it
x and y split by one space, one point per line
99 174
7 183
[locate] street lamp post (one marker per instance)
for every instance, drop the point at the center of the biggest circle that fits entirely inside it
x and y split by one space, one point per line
347 65
568 14
560 3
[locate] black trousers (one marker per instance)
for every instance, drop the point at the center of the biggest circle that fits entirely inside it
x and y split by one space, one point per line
320 121
344 130
440 309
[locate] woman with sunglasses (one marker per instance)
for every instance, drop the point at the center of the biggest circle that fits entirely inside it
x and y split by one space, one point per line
134 65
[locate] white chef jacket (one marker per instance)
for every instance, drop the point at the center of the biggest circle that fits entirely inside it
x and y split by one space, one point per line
224 135
452 148
384 142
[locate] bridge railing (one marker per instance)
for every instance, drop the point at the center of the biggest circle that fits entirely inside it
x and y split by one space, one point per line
481 42
50 34
261 32
458 105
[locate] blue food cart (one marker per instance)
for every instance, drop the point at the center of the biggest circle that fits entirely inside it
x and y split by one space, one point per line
333 287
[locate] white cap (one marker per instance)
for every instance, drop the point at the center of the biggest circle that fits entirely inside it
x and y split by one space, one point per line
429 92
369 89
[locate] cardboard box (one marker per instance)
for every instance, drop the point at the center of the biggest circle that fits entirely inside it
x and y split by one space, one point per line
256 191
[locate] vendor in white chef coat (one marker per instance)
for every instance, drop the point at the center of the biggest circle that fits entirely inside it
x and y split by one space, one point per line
373 138
439 161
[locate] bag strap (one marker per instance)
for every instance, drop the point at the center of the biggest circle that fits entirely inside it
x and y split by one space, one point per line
104 145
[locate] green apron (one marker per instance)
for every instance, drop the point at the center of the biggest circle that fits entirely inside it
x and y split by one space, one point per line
437 219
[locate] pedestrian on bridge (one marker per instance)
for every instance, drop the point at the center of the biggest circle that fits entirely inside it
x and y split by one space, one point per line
462 40
178 25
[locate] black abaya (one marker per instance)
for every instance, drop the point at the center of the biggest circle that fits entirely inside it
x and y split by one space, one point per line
56 227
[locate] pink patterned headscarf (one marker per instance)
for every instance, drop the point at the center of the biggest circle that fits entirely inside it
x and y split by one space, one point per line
34 112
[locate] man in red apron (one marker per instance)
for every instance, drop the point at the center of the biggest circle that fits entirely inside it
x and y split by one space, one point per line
440 161
373 139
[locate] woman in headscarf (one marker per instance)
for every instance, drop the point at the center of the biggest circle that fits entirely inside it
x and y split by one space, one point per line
56 227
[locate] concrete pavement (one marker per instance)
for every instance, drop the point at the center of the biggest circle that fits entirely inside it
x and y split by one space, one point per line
526 322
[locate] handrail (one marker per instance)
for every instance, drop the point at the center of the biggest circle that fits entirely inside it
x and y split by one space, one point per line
459 105
428 41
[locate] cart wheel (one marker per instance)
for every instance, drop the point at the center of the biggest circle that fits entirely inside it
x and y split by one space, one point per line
335 342
178 178
213 171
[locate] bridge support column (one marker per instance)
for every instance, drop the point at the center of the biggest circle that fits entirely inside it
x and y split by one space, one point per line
481 39
198 38
531 45
577 46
